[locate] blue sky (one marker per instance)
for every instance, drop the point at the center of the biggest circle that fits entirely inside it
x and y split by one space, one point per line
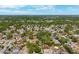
39 9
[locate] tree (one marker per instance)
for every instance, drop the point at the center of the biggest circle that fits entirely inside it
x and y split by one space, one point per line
69 49
32 47
45 37
62 40
68 27
76 31
9 35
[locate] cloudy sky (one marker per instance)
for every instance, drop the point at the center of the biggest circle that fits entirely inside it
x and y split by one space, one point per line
39 9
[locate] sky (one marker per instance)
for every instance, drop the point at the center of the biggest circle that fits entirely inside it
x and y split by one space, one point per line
39 9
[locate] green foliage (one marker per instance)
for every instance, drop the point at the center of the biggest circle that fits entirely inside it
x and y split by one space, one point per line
74 39
27 33
58 36
50 42
30 36
1 46
62 40
2 28
44 37
76 31
68 27
18 25
58 22
69 49
32 47
24 34
38 42
9 35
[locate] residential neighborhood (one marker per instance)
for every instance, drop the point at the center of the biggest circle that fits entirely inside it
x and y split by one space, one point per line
39 34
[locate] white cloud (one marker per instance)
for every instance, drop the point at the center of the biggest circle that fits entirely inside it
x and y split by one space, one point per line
39 2
10 6
43 7
7 6
37 9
